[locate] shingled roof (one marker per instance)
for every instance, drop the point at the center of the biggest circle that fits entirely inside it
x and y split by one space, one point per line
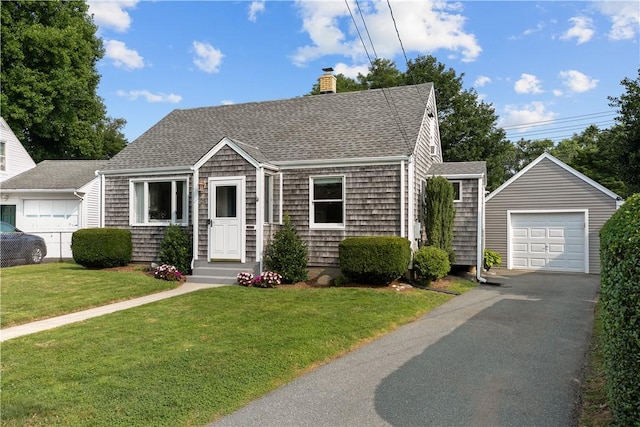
458 168
322 127
55 175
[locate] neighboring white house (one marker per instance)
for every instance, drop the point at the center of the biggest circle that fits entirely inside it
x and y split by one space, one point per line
54 199
14 159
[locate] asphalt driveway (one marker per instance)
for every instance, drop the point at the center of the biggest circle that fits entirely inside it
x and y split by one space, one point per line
509 355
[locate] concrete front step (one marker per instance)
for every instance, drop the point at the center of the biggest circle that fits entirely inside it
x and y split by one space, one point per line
220 273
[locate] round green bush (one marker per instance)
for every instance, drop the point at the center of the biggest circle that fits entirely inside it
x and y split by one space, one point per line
431 263
175 249
287 254
375 260
101 247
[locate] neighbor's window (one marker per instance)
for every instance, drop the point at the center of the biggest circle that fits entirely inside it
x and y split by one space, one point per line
3 157
159 202
327 202
457 191
268 198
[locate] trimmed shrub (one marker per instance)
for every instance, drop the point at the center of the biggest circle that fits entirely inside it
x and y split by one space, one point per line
439 213
176 249
620 299
101 247
287 254
431 263
376 260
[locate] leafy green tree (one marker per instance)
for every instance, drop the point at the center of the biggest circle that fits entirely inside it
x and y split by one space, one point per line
49 80
382 73
439 213
590 153
625 147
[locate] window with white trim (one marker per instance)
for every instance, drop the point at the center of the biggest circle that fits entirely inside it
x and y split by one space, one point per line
457 190
268 198
159 202
327 201
3 157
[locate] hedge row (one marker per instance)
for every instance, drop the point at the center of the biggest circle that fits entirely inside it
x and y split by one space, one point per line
101 247
620 299
376 260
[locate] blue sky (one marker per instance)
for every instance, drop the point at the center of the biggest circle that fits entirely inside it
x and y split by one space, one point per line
547 67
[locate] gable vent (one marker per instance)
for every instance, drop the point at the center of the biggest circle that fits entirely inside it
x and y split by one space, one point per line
327 81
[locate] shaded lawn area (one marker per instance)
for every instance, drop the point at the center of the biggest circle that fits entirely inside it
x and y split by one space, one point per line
191 359
33 292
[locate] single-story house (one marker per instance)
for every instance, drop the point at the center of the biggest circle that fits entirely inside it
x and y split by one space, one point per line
54 199
339 164
548 217
14 159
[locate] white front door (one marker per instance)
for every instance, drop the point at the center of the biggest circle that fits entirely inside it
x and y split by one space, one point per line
226 219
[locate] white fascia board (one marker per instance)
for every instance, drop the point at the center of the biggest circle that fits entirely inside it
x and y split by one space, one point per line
564 166
360 161
582 176
41 190
459 176
147 171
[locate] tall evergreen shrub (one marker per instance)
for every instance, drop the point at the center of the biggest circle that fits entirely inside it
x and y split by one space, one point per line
620 299
438 214
176 249
287 254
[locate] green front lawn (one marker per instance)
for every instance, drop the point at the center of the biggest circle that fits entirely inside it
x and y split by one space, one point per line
190 359
33 292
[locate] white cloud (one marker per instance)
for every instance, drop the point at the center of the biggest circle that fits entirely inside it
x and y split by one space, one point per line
351 71
208 58
227 102
150 97
424 27
254 8
625 18
526 116
112 14
582 29
122 56
528 83
481 81
577 81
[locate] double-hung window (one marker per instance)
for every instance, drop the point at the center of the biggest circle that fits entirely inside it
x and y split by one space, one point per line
159 202
457 190
327 202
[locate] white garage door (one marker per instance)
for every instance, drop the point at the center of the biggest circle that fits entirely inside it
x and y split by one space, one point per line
548 241
54 221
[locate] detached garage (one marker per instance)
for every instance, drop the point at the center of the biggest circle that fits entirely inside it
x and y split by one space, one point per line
548 217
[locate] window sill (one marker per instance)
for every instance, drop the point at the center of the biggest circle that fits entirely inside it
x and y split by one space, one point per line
157 224
327 227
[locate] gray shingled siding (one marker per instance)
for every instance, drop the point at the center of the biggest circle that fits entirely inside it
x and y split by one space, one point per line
228 163
423 161
465 224
372 207
548 186
146 239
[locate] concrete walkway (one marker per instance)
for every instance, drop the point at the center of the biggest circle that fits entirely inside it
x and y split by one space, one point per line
54 322
509 355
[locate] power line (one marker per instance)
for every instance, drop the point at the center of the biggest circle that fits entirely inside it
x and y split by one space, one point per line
550 121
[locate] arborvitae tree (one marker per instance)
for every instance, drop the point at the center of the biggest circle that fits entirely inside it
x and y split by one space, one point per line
438 213
287 254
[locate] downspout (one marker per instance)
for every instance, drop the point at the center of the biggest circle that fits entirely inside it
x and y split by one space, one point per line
410 213
102 198
259 214
480 233
402 193
195 202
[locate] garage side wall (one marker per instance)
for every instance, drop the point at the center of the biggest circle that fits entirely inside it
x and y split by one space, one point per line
547 186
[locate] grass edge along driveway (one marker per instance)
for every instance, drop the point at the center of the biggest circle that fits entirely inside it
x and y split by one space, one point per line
191 359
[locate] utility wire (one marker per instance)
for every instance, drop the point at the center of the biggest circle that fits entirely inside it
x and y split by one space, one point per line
566 119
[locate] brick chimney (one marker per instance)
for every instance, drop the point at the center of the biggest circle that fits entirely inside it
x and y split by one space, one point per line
327 81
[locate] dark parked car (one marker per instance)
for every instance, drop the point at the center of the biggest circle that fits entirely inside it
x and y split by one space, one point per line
16 245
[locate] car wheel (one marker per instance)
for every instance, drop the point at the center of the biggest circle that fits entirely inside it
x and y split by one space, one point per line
35 255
